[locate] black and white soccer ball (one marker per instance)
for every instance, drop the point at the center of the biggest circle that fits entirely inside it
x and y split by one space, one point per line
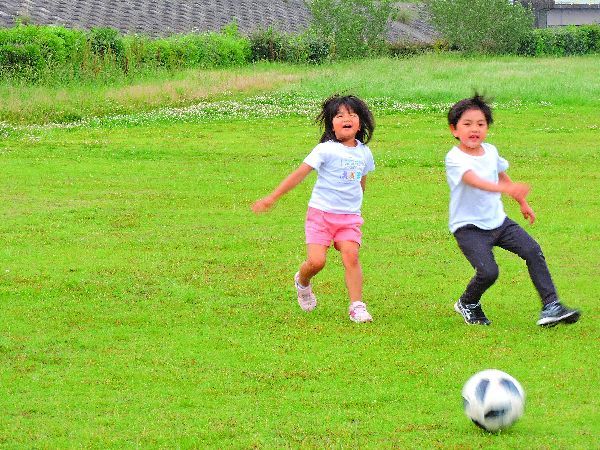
493 400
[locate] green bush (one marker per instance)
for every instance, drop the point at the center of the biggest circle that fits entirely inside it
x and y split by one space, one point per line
188 49
562 41
272 45
267 45
73 41
482 26
137 52
227 48
163 53
29 52
353 28
21 60
223 49
402 49
56 54
55 44
141 52
308 47
106 41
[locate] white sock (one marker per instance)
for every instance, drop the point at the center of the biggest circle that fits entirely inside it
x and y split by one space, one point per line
300 286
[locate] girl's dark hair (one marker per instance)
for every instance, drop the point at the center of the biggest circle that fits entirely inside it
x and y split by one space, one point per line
467 104
354 104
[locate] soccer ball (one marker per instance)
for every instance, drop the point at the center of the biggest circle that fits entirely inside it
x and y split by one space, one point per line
493 400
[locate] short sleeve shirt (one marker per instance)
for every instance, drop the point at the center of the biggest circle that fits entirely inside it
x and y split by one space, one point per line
469 205
339 172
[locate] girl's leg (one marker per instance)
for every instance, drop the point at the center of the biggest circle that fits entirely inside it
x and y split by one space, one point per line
316 256
357 312
516 240
353 270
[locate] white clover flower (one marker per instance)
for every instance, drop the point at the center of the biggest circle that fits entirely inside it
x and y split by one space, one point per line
264 106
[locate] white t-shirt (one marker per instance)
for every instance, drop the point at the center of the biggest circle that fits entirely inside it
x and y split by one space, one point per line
339 170
469 205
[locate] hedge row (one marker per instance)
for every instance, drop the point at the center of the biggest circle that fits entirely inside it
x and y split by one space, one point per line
32 52
562 41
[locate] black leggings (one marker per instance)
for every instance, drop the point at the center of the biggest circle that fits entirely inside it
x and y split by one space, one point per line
477 244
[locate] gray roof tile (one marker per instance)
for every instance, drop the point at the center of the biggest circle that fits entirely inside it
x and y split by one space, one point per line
163 17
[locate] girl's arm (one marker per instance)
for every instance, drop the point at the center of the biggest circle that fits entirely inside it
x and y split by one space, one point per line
289 183
363 183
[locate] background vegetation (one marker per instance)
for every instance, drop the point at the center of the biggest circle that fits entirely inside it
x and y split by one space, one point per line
340 29
487 26
353 28
56 55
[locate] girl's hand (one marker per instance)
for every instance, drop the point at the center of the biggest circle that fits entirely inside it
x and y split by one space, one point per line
263 205
527 212
290 182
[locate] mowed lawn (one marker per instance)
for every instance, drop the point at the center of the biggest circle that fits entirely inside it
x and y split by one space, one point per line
143 304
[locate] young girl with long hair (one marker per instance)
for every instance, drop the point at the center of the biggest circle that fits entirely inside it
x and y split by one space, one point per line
342 161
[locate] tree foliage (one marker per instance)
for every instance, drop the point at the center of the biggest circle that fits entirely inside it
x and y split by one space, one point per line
352 28
486 26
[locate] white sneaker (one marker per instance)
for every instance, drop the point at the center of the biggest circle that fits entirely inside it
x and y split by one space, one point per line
306 298
358 313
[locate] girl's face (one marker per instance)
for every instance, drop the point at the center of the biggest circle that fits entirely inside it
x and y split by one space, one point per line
346 124
471 130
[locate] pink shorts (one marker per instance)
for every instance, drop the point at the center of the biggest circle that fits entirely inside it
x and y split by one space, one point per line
322 227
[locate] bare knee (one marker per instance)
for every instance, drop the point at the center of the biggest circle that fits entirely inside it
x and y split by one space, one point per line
350 258
316 263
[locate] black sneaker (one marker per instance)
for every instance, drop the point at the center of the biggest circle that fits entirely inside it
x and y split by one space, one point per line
554 313
472 313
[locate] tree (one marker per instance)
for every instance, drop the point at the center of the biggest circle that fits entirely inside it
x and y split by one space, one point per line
487 26
352 28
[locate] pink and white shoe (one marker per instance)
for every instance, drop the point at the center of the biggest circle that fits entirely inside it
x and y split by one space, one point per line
358 313
306 298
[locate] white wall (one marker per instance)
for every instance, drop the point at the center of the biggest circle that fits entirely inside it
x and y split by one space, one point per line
579 16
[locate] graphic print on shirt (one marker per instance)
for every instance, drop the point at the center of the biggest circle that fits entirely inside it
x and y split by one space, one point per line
352 170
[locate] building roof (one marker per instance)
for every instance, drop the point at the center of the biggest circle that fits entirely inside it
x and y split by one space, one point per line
164 17
577 2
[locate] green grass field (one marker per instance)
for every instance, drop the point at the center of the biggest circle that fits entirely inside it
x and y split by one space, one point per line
142 304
